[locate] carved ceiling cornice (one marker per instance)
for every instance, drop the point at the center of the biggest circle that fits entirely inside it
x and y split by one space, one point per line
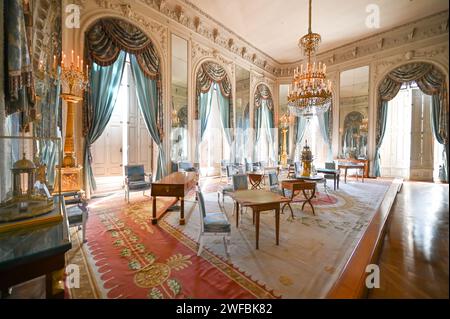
197 21
420 30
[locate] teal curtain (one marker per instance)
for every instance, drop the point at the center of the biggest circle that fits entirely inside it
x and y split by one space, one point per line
205 102
19 88
300 126
47 127
225 116
264 115
268 114
258 124
382 118
439 133
325 128
147 94
106 81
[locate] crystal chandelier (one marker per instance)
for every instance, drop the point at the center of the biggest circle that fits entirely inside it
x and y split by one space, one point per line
311 91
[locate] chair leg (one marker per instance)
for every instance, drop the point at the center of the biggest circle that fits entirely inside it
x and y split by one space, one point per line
200 248
225 244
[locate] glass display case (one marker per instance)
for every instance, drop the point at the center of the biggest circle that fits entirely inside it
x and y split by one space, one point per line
28 196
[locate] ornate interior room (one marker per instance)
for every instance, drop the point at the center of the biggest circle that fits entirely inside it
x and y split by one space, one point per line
212 149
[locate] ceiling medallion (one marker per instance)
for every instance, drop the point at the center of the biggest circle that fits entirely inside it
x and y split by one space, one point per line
310 93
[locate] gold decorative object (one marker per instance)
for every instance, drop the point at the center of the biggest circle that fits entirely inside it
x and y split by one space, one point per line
75 79
307 160
29 199
284 121
311 91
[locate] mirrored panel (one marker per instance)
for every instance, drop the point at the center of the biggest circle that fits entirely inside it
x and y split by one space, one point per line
179 99
353 113
242 110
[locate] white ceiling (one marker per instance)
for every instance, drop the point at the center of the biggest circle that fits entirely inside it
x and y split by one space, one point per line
274 26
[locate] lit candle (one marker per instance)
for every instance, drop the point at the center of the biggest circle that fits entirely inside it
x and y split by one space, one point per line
72 57
87 69
78 61
301 68
64 58
81 67
324 68
54 61
320 66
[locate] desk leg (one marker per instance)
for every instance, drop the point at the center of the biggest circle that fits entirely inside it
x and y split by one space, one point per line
277 224
338 179
154 220
345 176
334 180
257 228
182 221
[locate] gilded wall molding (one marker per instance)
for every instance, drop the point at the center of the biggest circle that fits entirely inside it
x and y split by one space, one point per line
196 20
199 53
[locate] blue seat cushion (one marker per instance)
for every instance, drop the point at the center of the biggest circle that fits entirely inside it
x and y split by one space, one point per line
138 185
216 223
74 215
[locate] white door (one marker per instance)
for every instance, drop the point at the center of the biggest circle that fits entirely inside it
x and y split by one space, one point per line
107 150
139 140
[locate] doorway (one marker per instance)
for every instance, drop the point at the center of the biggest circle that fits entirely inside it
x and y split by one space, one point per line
125 140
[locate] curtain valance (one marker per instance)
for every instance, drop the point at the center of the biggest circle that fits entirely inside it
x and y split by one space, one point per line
209 73
430 81
263 93
108 37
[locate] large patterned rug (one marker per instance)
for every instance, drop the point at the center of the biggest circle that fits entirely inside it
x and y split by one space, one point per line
127 257
313 249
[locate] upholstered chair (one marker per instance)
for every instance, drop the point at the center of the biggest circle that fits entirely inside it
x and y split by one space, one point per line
212 224
135 180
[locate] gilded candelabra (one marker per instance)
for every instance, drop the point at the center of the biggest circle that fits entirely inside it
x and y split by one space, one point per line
74 79
284 121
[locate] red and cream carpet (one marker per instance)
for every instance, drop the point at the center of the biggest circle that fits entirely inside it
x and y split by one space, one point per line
127 257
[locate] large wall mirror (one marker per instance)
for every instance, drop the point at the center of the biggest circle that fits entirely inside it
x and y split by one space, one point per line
353 113
179 100
242 114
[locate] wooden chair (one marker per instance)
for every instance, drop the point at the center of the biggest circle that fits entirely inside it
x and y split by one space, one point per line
77 214
212 224
255 180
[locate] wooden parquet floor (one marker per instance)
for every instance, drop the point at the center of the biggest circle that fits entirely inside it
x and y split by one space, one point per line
414 257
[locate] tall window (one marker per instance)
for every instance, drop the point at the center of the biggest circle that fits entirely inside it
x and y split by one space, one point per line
408 145
214 147
396 148
315 140
264 147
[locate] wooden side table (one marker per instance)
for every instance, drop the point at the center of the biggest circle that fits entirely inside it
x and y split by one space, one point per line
297 186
